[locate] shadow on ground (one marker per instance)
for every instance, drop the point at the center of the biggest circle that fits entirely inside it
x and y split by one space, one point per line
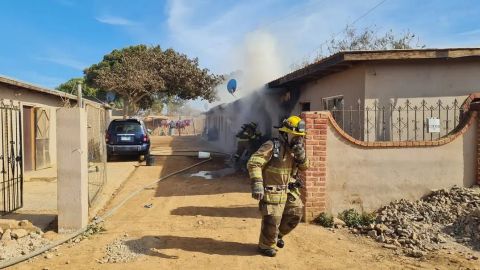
155 245
42 221
235 211
185 185
127 158
189 142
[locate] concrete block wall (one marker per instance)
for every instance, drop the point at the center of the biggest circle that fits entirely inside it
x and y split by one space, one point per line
72 170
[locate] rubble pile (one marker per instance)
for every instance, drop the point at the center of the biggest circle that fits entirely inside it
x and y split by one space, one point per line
19 238
425 224
467 229
122 250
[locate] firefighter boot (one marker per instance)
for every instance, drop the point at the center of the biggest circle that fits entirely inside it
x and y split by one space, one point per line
270 252
280 243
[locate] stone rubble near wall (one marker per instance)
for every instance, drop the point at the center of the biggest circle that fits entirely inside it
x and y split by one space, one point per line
22 238
92 229
19 238
123 250
427 224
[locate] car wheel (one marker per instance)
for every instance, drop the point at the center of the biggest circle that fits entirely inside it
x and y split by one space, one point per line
149 160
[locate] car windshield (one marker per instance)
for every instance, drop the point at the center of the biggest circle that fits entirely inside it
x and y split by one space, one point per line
126 127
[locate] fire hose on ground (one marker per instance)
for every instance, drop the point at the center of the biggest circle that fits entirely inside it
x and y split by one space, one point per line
105 215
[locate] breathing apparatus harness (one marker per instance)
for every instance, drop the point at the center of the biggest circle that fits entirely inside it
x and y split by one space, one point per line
292 125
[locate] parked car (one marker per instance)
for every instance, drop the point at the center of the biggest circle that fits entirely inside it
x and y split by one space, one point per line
127 137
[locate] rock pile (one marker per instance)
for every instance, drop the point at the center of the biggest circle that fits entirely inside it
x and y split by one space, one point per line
123 250
19 238
425 224
466 229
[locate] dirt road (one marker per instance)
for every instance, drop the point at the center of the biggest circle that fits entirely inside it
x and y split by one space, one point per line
196 223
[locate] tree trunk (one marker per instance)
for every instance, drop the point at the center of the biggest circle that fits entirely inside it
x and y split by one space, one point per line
125 110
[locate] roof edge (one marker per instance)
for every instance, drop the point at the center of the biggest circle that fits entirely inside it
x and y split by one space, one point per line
349 57
33 87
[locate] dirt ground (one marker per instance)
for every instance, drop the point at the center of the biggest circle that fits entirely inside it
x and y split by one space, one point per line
196 223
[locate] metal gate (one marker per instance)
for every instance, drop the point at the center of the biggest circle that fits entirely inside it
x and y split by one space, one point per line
11 186
97 151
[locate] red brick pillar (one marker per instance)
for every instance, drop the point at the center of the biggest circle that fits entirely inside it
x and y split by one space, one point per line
316 176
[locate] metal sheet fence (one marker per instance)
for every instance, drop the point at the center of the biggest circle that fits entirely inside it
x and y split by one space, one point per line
97 155
11 185
409 121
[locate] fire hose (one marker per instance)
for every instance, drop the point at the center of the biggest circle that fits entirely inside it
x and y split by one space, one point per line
97 220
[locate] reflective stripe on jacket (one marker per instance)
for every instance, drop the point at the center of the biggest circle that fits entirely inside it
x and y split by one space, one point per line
262 166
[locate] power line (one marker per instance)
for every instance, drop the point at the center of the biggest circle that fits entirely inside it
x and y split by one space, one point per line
282 18
363 15
369 11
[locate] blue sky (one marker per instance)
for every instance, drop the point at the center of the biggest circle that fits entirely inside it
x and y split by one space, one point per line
47 42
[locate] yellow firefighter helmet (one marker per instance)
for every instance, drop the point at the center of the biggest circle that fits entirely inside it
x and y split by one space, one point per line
293 125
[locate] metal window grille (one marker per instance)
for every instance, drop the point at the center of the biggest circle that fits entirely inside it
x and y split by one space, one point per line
399 122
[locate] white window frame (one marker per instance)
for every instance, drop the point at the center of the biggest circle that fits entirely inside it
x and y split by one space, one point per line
329 103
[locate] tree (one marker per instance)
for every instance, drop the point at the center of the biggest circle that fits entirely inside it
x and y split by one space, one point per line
71 87
150 104
369 38
141 72
174 105
366 39
95 94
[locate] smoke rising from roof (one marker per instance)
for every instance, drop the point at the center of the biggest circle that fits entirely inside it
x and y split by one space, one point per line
259 62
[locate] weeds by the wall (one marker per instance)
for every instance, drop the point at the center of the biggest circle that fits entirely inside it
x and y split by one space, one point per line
353 219
324 219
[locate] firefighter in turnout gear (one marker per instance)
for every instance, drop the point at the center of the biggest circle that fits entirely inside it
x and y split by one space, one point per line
247 140
273 171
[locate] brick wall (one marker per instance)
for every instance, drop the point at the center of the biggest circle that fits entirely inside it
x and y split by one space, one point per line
314 192
315 176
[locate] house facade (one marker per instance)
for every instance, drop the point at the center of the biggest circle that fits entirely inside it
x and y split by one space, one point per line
38 107
376 92
381 125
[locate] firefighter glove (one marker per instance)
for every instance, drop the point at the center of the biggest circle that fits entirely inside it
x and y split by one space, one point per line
299 153
257 190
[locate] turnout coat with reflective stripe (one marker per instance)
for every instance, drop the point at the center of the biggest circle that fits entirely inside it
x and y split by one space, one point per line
275 173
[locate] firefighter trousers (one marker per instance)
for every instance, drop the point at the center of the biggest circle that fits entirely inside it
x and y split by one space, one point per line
278 220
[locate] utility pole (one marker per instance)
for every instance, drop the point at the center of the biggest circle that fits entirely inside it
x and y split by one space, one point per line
79 95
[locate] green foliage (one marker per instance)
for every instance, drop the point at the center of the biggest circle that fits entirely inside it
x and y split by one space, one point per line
325 220
141 73
367 218
353 219
71 87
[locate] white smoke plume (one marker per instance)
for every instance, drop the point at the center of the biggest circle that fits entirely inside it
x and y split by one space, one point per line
258 61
